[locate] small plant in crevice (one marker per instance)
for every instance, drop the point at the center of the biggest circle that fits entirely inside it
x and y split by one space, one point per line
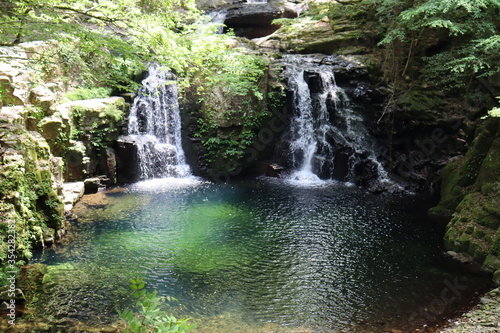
150 317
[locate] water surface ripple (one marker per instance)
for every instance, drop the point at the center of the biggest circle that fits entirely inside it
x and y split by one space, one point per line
262 256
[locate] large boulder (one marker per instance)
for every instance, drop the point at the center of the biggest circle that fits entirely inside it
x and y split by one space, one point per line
252 19
470 191
127 163
307 35
96 124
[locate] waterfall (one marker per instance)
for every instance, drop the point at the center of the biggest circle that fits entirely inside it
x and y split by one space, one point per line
218 17
155 127
327 137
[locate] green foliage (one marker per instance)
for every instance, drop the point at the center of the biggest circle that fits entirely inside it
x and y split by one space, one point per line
150 317
494 112
450 42
101 128
283 21
88 93
34 112
96 45
227 81
471 24
27 199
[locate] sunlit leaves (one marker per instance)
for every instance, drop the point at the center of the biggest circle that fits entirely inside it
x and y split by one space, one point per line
151 317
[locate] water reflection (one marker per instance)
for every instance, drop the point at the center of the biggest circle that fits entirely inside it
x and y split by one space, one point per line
264 256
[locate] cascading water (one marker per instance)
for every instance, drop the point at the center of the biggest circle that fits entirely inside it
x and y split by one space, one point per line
327 137
218 17
155 127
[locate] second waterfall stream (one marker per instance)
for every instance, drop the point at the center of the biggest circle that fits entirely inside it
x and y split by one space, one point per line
327 136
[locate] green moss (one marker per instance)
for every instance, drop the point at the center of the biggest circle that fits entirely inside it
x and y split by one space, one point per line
485 135
477 250
496 277
463 243
491 263
89 93
450 238
490 168
27 197
495 246
470 190
231 115
421 102
451 193
469 229
478 233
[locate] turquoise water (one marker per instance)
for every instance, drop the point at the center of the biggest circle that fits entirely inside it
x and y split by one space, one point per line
260 256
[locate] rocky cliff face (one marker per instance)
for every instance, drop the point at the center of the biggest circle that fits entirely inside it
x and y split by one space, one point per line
31 176
469 195
42 144
31 179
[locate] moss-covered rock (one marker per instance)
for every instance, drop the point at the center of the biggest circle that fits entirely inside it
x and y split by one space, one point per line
470 189
95 125
451 193
28 191
309 35
491 263
489 173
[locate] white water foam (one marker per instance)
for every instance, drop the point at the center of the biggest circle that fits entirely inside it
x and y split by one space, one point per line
168 184
155 127
312 134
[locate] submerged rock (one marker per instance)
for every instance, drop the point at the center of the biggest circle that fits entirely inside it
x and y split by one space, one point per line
482 319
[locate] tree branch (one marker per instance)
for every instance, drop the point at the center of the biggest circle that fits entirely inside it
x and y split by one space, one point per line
86 13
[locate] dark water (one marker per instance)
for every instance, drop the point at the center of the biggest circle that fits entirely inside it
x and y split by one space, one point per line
264 256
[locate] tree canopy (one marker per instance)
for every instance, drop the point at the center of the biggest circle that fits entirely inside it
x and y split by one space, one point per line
450 42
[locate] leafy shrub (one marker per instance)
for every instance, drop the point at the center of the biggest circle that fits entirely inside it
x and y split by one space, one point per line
88 93
150 317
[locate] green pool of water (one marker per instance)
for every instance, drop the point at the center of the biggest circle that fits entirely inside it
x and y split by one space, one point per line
260 256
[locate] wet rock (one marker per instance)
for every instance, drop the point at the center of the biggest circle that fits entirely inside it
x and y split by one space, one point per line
92 185
49 237
470 190
111 165
482 319
127 163
274 170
